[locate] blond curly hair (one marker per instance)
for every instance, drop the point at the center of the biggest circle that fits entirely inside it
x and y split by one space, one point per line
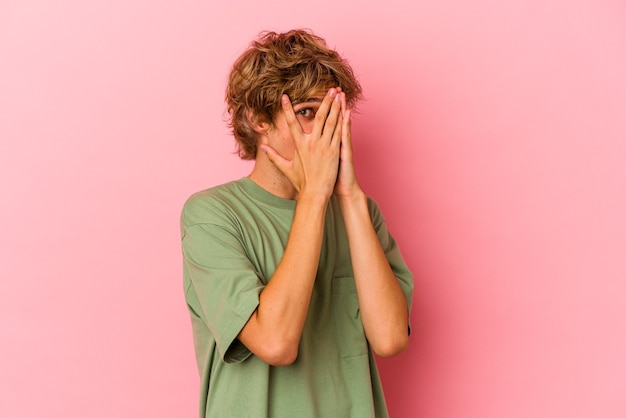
297 63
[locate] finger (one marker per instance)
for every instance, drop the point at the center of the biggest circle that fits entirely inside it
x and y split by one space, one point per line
290 116
323 112
275 158
346 133
344 106
332 119
337 134
340 123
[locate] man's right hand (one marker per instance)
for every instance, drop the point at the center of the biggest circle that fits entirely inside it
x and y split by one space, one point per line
314 167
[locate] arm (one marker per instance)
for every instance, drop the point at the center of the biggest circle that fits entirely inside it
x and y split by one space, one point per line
273 331
382 304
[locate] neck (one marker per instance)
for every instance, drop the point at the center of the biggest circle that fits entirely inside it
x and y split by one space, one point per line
267 176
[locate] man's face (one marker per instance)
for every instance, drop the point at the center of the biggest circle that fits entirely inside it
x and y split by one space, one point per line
280 137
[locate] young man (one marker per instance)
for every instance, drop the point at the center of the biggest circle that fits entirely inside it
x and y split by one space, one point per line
290 275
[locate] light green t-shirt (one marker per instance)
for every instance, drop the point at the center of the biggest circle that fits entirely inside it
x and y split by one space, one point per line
233 237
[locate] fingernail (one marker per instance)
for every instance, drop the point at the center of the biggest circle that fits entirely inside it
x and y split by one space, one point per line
284 98
333 92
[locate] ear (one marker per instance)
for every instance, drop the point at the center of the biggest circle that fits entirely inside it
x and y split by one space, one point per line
256 123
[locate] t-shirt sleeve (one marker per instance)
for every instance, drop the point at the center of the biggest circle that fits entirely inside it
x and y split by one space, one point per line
392 251
224 282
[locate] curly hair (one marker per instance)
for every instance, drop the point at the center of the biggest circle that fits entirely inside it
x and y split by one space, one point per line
297 63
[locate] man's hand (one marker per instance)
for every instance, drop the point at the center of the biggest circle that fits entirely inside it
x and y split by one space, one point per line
347 184
314 166
382 305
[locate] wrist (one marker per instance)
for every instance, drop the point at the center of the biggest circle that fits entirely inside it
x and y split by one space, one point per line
353 199
315 197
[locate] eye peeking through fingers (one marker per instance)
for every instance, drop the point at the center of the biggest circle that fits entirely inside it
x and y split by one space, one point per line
307 113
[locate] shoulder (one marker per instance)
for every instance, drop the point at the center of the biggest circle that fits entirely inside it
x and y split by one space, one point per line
210 205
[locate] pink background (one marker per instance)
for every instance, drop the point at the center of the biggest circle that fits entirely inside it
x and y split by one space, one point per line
493 137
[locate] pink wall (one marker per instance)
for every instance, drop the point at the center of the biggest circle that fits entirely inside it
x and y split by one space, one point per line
494 138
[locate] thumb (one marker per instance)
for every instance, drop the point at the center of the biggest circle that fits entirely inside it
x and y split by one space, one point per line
275 158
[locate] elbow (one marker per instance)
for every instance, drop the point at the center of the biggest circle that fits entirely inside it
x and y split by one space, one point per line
391 346
281 359
279 354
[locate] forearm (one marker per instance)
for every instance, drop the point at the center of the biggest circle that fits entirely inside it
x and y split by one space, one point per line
382 303
274 329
